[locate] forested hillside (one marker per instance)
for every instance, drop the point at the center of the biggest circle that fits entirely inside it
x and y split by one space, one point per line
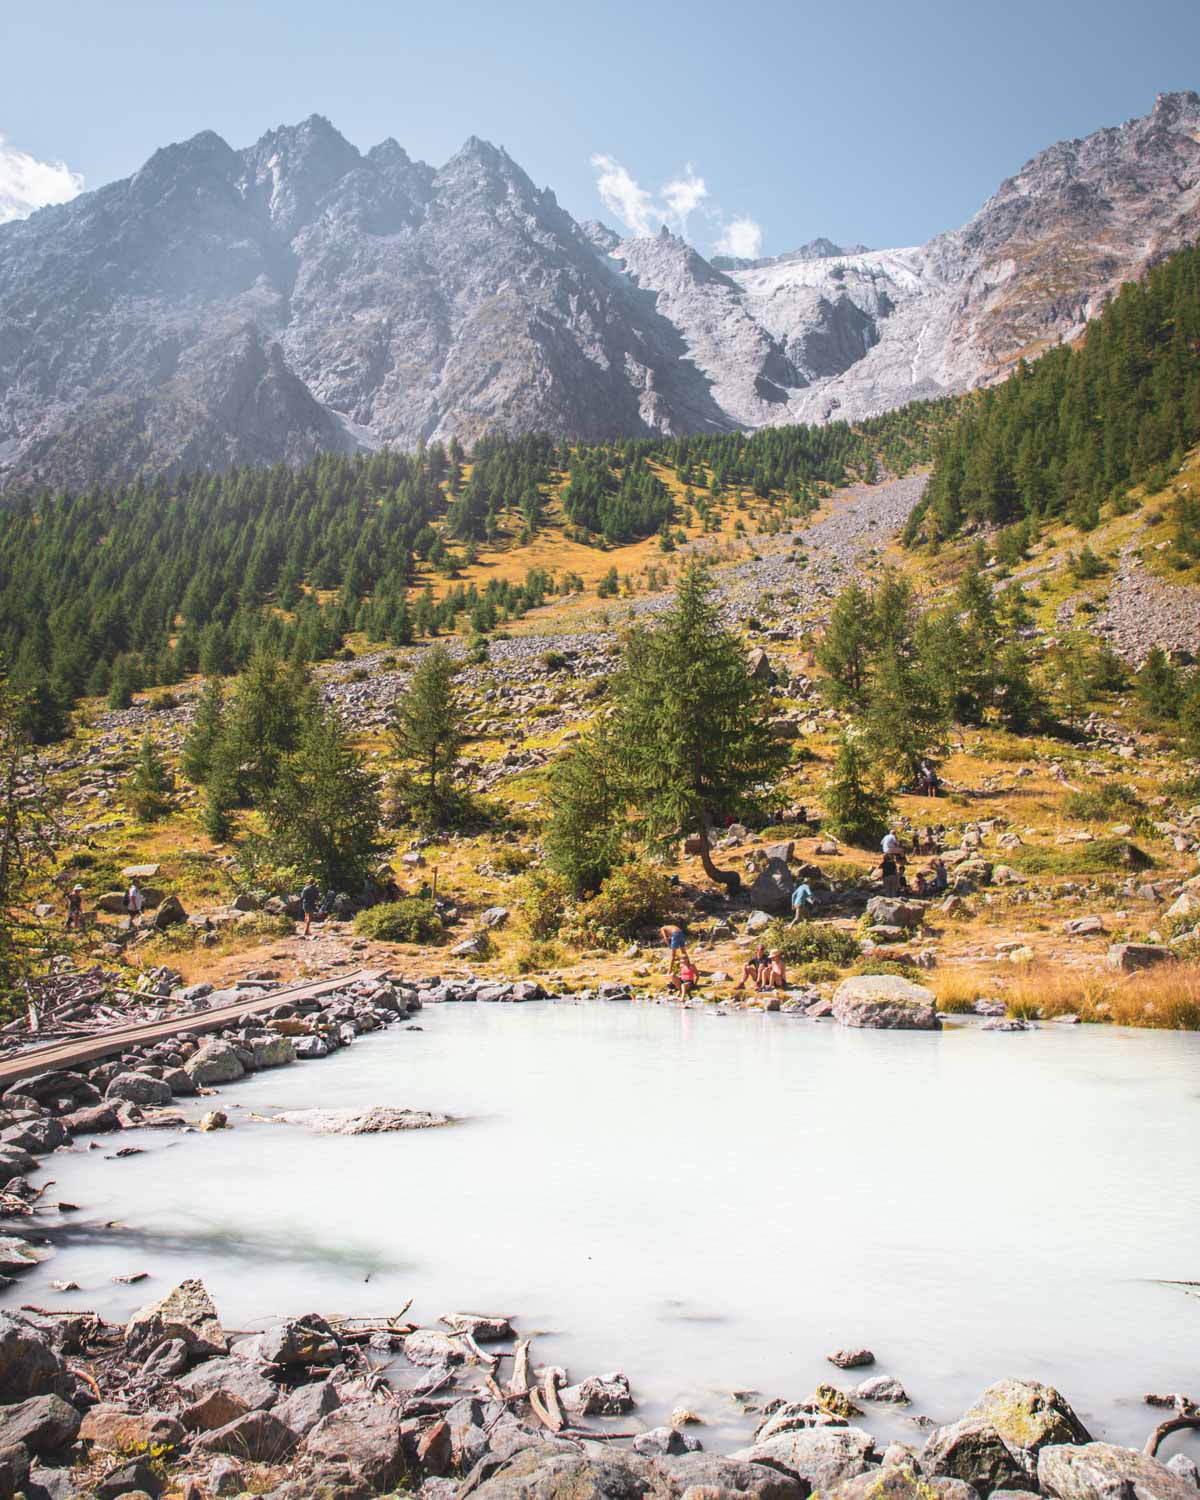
105 592
1084 423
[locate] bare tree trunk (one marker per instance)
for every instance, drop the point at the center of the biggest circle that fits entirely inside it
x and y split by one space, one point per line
730 879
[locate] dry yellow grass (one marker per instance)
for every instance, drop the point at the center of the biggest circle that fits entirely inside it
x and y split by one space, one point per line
1167 996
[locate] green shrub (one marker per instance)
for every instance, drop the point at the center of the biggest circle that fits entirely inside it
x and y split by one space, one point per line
814 973
1100 803
409 920
543 903
812 942
634 896
536 957
510 861
1094 858
554 661
160 702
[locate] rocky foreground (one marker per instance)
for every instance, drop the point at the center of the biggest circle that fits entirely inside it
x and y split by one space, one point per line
173 1404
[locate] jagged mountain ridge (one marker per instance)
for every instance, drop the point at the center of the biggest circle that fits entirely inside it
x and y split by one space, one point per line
225 306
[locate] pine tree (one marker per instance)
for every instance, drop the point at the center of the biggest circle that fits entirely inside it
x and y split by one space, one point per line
125 681
584 840
1157 686
150 786
25 854
427 734
905 721
196 755
857 808
846 648
691 742
263 724
322 816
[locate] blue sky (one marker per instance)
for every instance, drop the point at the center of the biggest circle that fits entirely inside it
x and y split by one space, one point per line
880 122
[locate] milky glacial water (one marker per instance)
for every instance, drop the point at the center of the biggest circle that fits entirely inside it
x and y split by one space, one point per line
708 1203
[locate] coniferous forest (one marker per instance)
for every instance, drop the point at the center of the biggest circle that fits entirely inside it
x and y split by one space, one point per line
1082 424
109 591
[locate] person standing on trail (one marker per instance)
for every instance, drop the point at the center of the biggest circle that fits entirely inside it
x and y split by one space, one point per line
676 941
135 903
75 909
803 904
310 900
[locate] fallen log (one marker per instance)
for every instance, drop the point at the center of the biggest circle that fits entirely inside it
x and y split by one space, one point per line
522 1378
1180 1423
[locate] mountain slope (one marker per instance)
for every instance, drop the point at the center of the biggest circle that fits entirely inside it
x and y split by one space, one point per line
231 307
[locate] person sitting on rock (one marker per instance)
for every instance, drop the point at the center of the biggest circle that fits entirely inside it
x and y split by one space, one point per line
754 968
686 980
774 974
890 871
676 941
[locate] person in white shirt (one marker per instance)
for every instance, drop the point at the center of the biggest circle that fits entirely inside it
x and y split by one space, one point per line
135 903
891 844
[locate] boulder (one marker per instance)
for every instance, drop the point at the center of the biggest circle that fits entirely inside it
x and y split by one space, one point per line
214 1409
116 1430
300 1341
272 1052
234 1378
494 917
881 1388
759 666
972 1450
367 1439
185 1313
817 1456
885 1001
28 1365
95 1119
1129 957
169 914
138 1088
598 1396
709 1474
900 1482
257 1436
889 911
1103 1471
14 1471
307 1404
42 1424
131 1479
665 1442
483 1327
17 1254
851 1359
216 1062
1028 1417
773 887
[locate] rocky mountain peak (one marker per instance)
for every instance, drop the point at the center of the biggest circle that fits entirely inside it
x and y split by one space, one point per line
292 168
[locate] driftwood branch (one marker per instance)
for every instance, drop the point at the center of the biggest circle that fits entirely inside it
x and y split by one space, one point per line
1179 1423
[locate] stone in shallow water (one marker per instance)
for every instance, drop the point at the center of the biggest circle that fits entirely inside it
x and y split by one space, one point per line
378 1121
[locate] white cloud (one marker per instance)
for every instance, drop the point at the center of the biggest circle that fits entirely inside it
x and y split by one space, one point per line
622 196
682 196
641 212
742 238
27 184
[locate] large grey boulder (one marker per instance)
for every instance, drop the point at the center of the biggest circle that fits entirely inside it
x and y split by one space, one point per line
366 1439
972 1450
43 1424
216 1062
232 1379
773 887
1103 1471
711 1473
890 911
1028 1416
258 1436
186 1313
598 1395
273 1052
819 1456
138 1088
885 1001
28 1365
300 1341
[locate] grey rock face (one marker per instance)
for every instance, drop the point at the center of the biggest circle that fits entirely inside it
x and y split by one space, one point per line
224 306
885 1001
1080 1472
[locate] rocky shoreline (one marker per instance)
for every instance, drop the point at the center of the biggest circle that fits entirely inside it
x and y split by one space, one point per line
173 1404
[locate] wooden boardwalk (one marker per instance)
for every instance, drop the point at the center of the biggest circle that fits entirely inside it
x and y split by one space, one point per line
76 1052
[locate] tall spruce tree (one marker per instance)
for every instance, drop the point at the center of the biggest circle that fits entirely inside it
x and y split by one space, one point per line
857 806
322 815
199 745
691 742
846 649
584 838
427 729
150 785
